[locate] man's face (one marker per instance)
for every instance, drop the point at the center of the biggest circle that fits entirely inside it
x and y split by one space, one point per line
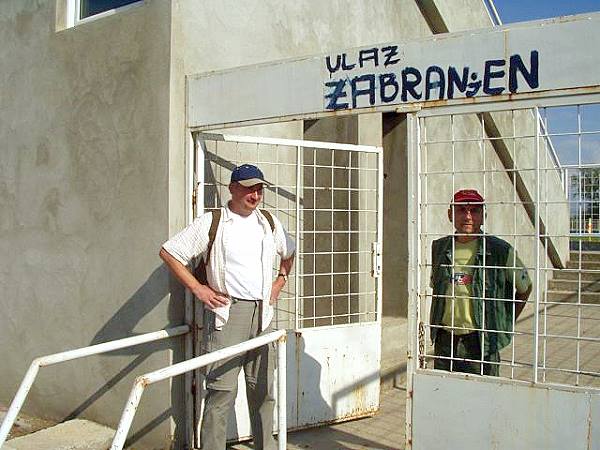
245 199
467 218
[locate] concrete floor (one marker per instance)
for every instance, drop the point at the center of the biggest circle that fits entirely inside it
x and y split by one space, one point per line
384 431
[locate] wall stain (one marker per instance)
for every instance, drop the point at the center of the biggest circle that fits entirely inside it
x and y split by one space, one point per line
43 154
50 207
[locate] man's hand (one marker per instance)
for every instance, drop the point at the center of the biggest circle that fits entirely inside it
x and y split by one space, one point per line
211 298
276 289
285 267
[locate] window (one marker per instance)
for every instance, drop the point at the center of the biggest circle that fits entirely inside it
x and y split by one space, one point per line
89 8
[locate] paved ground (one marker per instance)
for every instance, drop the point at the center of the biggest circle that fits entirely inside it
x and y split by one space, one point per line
384 431
562 352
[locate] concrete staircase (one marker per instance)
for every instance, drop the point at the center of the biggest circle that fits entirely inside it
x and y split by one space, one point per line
70 435
583 271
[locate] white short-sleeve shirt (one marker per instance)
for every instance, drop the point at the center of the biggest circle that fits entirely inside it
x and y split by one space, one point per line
192 243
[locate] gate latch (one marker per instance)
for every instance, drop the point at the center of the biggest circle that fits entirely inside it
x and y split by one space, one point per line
375 259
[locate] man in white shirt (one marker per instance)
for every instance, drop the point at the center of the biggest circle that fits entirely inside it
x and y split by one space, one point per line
238 300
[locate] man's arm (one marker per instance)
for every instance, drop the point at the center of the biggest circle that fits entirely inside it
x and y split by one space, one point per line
520 305
522 282
206 294
285 267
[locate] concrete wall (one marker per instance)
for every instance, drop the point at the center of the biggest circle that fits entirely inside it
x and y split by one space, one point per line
460 15
83 193
92 175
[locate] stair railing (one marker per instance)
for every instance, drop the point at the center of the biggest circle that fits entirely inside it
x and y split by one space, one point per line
70 355
192 364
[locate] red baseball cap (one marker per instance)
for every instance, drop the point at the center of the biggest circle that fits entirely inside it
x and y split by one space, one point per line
467 196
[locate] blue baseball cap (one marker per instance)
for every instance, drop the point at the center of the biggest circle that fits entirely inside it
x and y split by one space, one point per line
247 175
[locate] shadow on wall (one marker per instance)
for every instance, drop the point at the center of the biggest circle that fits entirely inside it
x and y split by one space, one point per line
122 324
212 197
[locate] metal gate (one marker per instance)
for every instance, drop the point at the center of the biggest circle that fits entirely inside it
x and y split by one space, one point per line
328 196
536 163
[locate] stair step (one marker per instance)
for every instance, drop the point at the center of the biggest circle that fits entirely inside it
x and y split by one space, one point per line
585 256
584 275
572 297
585 264
71 435
573 285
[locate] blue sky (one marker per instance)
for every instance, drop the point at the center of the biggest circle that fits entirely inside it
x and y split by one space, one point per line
523 10
561 119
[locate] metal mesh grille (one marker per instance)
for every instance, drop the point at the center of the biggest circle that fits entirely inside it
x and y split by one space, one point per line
326 196
538 170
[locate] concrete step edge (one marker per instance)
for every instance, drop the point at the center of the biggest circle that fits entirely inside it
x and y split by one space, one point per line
75 434
584 256
574 284
562 292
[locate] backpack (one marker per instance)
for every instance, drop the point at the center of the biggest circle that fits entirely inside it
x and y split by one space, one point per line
200 271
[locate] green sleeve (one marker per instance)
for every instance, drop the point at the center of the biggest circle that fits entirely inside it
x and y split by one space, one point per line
522 280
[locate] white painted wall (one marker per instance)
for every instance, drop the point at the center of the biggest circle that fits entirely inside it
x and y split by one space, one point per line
448 415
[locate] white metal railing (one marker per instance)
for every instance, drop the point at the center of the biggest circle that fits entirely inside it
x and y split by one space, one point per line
70 355
492 13
562 171
186 366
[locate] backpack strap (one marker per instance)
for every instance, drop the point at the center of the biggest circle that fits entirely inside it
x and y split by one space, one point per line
212 232
269 218
200 271
214 225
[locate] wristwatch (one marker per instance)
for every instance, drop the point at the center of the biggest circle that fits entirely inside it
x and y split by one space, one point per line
284 275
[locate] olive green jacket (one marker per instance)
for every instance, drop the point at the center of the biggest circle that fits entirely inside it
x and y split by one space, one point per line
498 285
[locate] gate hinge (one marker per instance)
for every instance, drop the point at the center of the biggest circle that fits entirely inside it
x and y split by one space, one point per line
421 350
376 259
194 200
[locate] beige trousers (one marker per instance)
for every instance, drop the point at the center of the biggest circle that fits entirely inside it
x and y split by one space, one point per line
221 377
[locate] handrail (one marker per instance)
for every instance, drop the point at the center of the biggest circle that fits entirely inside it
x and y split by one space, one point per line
492 12
69 355
195 363
497 21
562 171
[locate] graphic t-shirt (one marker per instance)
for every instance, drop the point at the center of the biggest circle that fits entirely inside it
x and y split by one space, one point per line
458 312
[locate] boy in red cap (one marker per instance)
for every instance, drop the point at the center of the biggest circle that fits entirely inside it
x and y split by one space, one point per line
470 324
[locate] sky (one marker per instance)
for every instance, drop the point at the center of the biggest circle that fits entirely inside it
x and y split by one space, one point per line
523 10
574 149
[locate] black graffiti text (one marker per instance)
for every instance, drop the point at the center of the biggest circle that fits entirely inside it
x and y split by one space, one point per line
434 83
375 57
